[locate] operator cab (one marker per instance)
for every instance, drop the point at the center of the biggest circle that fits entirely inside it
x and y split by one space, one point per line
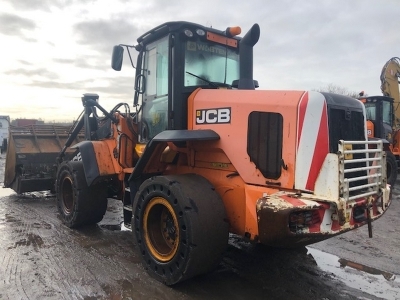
174 60
379 112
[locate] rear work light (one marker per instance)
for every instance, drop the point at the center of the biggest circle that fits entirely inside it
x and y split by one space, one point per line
188 33
300 220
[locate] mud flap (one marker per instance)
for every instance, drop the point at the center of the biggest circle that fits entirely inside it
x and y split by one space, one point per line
97 160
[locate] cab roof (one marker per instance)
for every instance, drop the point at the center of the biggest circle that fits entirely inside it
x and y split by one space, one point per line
176 26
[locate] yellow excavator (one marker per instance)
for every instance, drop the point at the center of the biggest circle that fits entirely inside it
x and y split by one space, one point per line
383 116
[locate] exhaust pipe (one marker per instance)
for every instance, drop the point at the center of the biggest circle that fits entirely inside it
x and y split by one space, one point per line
246 45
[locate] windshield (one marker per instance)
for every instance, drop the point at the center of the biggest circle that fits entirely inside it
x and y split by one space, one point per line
212 62
370 110
387 112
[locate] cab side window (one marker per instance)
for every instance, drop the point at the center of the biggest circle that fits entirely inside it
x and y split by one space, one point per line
155 98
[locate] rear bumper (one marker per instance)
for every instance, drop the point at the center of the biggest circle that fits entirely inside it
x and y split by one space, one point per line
275 214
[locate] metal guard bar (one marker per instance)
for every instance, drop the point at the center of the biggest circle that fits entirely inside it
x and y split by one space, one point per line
374 169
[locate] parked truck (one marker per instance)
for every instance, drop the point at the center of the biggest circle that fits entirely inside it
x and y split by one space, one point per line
202 154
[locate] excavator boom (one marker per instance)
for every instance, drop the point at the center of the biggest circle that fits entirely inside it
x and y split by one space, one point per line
390 85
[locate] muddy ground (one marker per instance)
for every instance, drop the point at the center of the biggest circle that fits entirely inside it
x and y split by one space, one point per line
42 259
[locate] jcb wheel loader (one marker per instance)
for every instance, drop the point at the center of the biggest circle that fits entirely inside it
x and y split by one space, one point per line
205 154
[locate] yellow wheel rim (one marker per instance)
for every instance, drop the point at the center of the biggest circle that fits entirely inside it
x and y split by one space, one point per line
161 231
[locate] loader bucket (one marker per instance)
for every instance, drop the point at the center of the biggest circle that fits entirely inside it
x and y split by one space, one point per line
31 156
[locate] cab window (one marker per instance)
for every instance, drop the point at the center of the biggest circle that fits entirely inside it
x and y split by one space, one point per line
153 117
387 112
211 62
370 110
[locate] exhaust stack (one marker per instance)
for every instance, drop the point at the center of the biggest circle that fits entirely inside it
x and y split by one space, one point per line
246 81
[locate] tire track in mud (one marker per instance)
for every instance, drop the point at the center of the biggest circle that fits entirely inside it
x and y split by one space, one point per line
64 263
56 279
12 268
53 281
68 272
49 283
4 260
92 251
92 247
60 269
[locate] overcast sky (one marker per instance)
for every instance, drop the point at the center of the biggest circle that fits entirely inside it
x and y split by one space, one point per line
53 51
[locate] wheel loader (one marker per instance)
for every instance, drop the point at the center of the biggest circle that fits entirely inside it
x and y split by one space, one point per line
203 153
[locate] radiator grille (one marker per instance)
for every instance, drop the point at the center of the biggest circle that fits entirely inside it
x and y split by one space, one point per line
348 125
264 143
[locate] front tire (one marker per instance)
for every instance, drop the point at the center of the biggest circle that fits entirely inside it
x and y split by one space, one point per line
180 227
391 168
77 203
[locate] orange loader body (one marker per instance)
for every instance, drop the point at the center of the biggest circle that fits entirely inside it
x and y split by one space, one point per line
205 154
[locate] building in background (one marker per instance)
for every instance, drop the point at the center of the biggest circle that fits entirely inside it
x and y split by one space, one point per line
26 122
4 124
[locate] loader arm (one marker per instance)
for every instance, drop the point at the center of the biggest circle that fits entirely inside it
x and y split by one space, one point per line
35 151
390 85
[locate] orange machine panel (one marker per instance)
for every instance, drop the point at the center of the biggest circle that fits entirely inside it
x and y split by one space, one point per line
225 112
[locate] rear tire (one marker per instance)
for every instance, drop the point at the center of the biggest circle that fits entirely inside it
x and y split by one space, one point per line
391 168
180 227
77 203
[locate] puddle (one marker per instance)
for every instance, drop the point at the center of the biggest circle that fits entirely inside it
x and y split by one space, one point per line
370 280
4 192
115 227
34 195
124 228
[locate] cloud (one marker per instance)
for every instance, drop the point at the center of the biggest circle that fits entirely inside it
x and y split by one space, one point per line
120 87
303 44
102 35
32 72
13 25
24 62
67 61
44 5
87 62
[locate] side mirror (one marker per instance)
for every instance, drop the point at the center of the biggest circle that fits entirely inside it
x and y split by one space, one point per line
117 57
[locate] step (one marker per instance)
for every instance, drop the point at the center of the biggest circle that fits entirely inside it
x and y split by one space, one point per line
128 207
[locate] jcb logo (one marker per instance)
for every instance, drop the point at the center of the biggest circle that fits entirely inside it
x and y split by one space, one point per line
213 116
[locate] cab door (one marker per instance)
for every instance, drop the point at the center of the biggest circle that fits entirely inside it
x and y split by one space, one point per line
153 115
